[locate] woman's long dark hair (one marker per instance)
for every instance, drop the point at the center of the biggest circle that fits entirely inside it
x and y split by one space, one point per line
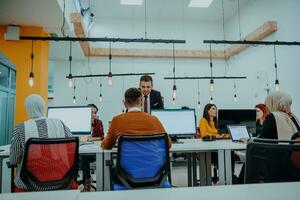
206 115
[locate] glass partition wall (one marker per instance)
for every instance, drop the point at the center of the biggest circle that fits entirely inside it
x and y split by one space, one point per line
7 99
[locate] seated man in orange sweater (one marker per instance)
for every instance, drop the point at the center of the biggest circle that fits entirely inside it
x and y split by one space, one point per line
135 121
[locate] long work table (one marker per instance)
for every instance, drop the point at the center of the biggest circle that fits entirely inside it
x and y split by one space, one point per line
222 147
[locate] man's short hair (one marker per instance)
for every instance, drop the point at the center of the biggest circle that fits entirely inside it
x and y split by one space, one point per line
146 78
132 95
93 105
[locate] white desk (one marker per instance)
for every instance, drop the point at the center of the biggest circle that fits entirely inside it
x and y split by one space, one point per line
222 147
49 195
86 149
273 191
3 154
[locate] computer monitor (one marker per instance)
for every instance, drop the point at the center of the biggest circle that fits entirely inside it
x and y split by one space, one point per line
77 118
177 122
237 116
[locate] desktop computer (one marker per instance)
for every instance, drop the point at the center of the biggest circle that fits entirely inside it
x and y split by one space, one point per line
177 122
237 116
76 118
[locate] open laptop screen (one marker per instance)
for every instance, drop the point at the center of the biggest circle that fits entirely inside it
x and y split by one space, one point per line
238 131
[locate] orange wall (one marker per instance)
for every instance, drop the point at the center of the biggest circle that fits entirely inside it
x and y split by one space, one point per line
19 52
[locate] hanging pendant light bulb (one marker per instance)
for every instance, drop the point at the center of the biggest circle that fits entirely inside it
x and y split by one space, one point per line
212 85
70 76
211 100
199 105
173 101
70 82
235 97
31 80
174 95
277 88
74 91
31 76
100 97
276 73
109 79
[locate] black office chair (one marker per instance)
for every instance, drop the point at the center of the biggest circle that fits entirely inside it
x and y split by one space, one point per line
272 161
142 162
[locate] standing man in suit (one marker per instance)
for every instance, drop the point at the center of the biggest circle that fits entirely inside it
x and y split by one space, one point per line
152 98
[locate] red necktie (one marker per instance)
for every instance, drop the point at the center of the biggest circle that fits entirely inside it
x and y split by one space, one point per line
145 104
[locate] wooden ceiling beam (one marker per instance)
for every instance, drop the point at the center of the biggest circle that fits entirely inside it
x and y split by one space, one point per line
261 32
76 19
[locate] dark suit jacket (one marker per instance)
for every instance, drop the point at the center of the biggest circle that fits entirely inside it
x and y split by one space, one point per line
156 100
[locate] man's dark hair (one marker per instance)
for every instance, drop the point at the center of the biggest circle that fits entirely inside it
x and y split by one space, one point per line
132 95
93 105
146 78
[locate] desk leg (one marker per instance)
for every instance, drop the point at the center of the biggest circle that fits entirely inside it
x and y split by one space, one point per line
1 173
202 168
194 161
99 171
221 163
106 173
189 171
208 168
228 167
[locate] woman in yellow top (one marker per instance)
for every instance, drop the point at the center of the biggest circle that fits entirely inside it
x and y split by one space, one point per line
208 123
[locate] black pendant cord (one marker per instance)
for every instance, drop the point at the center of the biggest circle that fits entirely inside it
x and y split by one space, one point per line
275 60
210 62
70 60
239 18
174 70
110 57
145 17
31 57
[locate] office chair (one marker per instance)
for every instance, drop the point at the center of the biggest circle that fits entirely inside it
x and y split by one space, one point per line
272 161
50 164
142 162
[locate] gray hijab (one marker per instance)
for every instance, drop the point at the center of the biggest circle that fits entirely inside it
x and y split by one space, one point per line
35 106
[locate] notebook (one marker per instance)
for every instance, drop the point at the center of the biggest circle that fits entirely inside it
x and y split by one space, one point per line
238 131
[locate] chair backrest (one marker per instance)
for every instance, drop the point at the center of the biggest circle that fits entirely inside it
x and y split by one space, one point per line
272 161
50 164
143 160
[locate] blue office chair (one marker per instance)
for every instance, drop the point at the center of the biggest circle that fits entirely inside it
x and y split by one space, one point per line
142 162
272 161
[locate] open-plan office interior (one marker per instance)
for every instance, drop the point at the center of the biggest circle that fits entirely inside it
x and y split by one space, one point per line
214 65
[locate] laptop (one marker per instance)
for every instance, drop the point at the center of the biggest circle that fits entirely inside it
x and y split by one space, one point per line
238 131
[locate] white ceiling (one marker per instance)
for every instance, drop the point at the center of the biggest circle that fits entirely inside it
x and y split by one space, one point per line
48 14
165 9
45 13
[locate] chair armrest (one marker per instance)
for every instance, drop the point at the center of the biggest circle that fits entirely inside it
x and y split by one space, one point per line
11 165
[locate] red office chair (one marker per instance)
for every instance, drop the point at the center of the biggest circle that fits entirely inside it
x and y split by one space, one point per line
50 164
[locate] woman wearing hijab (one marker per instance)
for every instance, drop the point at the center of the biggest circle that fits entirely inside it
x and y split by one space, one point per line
281 123
38 126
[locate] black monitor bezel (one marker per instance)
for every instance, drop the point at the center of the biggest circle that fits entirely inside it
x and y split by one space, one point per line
241 122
